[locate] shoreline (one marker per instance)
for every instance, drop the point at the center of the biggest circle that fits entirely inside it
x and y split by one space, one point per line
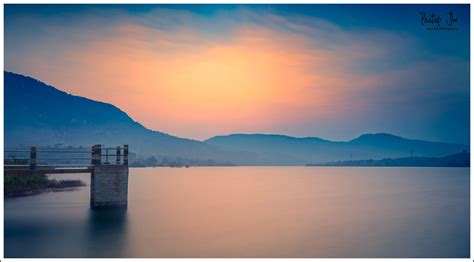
22 186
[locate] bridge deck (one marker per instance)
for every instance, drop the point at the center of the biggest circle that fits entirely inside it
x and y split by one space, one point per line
52 170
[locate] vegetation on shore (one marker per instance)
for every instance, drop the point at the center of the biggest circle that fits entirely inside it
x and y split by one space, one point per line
156 161
25 185
457 160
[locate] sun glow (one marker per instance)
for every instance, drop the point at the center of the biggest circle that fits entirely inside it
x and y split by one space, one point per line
253 79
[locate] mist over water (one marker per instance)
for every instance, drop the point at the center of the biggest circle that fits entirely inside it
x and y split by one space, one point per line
253 212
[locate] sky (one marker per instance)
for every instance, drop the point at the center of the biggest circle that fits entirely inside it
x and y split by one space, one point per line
196 71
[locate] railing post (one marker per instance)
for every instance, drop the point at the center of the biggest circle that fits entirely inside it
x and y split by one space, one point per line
125 155
117 153
96 155
33 158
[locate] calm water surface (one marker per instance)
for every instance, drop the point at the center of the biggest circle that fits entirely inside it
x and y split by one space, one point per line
253 212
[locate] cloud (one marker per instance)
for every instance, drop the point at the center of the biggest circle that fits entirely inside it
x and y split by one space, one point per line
241 71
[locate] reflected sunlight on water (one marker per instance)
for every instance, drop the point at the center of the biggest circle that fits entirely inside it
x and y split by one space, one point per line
253 212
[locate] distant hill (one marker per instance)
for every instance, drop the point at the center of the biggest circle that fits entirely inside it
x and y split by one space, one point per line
457 160
41 115
286 150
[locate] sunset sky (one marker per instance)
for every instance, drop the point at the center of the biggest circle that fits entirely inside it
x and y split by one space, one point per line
195 71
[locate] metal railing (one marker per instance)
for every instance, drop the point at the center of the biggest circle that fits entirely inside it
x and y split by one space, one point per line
46 157
121 155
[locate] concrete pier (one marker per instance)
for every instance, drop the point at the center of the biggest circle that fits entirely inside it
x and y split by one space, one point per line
109 186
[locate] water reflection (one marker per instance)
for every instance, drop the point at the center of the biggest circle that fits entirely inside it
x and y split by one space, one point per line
107 232
254 212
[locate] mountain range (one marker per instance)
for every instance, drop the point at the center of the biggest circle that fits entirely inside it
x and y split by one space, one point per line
456 160
286 150
37 114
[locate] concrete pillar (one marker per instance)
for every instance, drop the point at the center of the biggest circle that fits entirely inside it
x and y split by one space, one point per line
33 161
96 154
109 186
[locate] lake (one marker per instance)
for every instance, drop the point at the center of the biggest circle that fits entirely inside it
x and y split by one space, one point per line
253 212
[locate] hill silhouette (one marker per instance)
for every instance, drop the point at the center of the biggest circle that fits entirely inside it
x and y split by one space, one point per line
41 115
37 114
285 150
456 160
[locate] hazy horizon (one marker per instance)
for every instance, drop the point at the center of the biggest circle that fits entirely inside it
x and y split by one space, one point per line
272 134
328 71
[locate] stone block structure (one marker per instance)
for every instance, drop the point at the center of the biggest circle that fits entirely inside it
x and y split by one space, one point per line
109 186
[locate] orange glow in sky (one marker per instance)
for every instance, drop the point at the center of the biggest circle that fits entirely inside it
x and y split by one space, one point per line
256 79
245 71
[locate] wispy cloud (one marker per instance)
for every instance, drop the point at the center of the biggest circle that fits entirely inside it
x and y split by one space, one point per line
241 71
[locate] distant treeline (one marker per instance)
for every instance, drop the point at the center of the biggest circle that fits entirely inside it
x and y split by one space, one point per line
153 161
457 160
142 160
